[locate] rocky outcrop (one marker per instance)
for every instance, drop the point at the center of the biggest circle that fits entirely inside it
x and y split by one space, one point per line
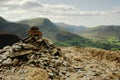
38 59
93 64
32 52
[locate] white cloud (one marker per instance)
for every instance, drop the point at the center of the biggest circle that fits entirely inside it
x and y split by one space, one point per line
21 9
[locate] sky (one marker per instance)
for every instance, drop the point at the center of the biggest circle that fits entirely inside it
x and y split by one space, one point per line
88 13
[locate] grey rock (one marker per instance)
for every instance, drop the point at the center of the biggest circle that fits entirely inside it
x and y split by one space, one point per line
46 42
31 56
16 47
8 48
29 46
54 51
13 70
39 40
25 52
58 62
7 54
15 62
8 61
22 78
0 64
65 63
51 74
1 51
36 53
2 57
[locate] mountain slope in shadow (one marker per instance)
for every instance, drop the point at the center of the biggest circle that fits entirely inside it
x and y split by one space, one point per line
8 39
13 28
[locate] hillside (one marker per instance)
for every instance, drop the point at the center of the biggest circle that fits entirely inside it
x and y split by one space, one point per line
102 32
2 20
71 28
106 37
38 59
28 62
8 39
58 35
50 30
13 28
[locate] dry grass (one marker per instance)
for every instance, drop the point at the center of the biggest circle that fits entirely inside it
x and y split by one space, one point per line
36 74
91 61
94 53
28 73
104 61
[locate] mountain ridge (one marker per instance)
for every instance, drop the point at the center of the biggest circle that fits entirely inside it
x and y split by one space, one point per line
8 39
13 28
57 35
71 28
2 20
102 32
49 29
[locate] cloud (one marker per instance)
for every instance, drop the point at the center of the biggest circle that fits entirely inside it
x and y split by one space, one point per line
19 4
21 9
37 6
115 12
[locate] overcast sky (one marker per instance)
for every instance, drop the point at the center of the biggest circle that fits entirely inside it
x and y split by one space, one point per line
76 12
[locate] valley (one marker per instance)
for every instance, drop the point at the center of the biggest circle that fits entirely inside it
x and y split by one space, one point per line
62 34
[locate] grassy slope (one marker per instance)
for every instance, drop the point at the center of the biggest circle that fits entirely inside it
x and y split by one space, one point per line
57 34
63 38
102 32
50 30
13 28
71 28
53 32
105 35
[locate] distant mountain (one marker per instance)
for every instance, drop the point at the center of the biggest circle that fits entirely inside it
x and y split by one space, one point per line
13 28
102 32
8 39
58 35
71 28
2 20
49 29
62 37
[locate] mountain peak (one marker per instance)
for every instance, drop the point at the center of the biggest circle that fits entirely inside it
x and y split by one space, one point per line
47 21
2 19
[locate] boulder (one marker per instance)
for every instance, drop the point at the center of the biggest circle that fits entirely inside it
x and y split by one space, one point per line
7 54
8 61
15 62
29 46
16 48
2 57
21 53
8 48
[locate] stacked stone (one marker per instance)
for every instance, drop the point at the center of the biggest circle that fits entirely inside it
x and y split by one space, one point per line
40 53
75 64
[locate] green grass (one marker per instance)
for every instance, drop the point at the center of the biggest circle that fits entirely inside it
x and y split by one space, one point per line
104 44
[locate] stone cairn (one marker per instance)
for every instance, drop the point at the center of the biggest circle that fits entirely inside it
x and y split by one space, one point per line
34 54
34 51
